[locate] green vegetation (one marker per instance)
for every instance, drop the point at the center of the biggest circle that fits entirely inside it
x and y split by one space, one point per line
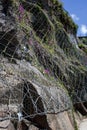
83 47
63 16
75 123
84 40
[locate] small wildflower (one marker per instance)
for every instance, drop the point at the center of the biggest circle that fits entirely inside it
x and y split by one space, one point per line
21 9
21 12
30 41
46 71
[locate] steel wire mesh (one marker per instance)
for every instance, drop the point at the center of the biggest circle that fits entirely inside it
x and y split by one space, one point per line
31 98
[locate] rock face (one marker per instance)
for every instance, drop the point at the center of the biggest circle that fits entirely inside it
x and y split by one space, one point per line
43 72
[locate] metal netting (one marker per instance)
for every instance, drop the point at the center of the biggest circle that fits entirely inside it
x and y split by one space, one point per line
41 71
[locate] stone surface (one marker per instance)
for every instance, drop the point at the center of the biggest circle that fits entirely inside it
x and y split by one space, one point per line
83 125
6 125
60 121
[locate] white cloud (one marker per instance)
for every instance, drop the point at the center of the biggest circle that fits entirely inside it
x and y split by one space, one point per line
83 29
74 17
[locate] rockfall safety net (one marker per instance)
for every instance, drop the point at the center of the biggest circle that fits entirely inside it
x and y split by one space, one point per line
42 69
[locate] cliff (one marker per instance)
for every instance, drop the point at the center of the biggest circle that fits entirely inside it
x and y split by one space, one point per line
43 71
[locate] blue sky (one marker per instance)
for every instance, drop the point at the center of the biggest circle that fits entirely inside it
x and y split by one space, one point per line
78 11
